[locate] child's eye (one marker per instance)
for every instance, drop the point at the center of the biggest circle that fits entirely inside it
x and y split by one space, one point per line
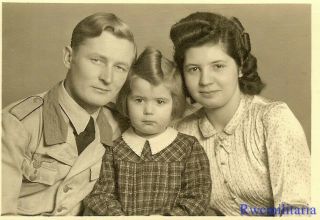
138 100
161 101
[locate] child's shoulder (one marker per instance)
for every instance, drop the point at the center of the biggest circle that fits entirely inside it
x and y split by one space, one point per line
185 141
186 138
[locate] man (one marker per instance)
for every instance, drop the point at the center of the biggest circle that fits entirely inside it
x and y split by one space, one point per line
52 143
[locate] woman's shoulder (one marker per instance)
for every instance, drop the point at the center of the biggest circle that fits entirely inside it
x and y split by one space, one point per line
271 110
265 105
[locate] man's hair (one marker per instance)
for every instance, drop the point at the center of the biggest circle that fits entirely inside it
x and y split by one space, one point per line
93 26
156 69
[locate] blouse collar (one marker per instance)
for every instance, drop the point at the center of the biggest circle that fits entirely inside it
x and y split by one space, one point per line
208 130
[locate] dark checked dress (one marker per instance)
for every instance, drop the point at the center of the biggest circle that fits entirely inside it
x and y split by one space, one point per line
176 181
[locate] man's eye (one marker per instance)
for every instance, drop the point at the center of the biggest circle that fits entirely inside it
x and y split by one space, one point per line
95 60
120 68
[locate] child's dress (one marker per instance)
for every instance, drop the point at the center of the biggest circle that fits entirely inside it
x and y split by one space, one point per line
174 180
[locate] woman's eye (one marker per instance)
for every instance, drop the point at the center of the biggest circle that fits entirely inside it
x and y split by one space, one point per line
193 69
219 66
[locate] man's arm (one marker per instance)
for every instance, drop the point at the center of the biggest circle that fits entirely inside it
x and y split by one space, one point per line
14 141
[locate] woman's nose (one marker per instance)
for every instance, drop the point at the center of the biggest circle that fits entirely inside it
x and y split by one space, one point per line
205 78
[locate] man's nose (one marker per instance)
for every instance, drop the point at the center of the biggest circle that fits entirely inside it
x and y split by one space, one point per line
106 74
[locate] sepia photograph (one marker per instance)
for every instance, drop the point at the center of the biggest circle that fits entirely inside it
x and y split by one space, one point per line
162 109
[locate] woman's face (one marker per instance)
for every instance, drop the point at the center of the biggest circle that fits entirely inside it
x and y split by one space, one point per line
211 75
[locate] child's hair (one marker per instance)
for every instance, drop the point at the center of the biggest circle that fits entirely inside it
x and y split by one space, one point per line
156 69
201 28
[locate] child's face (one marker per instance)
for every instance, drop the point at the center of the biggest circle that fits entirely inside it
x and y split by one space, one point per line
149 107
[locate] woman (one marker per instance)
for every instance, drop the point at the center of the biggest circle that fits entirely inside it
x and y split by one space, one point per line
258 154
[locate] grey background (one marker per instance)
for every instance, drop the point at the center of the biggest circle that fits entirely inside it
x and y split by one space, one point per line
34 35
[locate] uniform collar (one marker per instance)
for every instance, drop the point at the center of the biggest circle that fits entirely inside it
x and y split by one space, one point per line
76 114
55 127
208 130
158 143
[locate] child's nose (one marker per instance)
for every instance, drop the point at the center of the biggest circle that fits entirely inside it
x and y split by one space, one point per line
148 108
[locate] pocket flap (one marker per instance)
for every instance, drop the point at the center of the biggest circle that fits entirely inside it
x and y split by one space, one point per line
44 172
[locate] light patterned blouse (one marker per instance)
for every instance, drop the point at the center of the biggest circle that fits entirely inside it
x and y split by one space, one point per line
260 159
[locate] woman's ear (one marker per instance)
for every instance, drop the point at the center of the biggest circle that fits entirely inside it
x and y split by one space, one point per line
67 56
240 74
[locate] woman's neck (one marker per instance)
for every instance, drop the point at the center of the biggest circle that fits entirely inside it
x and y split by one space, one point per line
219 117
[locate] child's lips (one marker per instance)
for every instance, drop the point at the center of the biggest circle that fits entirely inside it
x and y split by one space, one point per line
148 122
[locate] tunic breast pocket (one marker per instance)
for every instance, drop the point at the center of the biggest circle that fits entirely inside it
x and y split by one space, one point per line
41 169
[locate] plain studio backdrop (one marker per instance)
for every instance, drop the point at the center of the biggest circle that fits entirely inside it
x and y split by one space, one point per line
34 35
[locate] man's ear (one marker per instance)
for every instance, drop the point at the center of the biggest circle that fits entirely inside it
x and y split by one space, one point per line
67 56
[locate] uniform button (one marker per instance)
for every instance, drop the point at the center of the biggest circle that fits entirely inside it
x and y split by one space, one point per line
37 99
66 188
234 198
32 177
223 163
225 181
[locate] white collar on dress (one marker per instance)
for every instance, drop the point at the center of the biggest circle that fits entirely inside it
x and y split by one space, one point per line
157 143
76 114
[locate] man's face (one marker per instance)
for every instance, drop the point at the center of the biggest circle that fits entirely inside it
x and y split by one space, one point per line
98 69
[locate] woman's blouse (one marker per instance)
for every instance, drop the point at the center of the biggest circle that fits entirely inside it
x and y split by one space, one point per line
259 160
175 180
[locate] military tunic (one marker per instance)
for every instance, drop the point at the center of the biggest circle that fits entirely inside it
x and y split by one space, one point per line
42 173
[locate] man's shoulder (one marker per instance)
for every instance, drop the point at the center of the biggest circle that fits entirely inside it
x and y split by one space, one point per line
24 107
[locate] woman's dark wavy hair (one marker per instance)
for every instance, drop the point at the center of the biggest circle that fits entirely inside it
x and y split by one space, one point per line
204 27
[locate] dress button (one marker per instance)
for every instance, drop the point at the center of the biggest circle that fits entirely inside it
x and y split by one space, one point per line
61 208
225 181
234 198
223 163
66 188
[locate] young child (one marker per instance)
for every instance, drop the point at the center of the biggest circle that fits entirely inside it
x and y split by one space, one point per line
152 169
